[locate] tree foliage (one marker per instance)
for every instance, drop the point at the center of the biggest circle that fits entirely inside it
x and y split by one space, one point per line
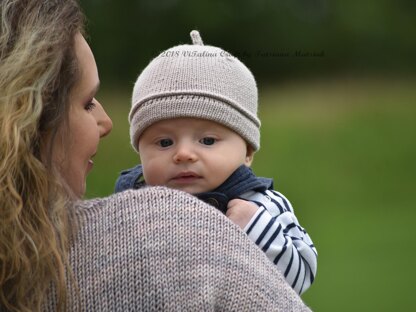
275 38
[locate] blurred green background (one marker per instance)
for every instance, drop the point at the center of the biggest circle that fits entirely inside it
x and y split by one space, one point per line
338 108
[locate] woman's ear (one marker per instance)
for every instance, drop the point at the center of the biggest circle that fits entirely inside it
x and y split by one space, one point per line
249 156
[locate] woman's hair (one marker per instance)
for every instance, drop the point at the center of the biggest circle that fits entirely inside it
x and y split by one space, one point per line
38 68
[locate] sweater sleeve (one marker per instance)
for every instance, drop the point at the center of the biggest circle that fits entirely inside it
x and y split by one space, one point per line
276 230
158 249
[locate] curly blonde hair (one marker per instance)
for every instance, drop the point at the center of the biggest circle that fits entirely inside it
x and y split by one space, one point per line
38 68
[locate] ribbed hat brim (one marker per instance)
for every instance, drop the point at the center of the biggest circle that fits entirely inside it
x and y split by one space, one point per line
196 106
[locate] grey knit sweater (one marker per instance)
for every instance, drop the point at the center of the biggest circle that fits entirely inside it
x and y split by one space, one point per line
157 249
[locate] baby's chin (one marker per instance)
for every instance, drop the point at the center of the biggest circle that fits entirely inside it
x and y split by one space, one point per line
193 189
192 186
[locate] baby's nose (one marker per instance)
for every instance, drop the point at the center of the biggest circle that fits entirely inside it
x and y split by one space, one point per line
185 153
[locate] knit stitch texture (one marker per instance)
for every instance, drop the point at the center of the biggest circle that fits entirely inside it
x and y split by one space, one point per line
157 249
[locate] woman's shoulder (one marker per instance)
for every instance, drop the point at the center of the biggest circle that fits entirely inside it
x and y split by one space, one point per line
148 200
151 209
148 248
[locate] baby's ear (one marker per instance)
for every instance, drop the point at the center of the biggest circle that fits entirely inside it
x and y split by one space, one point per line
249 156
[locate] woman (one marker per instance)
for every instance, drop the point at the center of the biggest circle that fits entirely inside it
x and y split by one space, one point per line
153 249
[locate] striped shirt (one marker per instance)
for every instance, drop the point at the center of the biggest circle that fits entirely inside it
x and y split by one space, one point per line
276 230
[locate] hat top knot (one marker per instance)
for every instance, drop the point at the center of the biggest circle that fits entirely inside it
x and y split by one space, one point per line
196 38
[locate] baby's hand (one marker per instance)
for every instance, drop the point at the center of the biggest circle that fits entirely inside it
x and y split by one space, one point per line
240 211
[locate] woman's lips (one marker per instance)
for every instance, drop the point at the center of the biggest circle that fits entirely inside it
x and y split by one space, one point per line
90 165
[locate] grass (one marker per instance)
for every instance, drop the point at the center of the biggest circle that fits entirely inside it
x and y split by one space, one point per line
343 151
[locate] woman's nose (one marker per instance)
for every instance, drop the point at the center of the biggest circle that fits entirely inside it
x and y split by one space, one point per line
104 121
185 153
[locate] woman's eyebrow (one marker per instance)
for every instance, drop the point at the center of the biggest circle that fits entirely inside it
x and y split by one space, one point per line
94 91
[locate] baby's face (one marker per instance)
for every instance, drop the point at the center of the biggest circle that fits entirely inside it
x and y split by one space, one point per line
192 155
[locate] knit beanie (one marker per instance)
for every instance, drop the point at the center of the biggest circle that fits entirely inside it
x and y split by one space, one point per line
198 81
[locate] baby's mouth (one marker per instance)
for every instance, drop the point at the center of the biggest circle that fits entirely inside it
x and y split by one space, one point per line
186 177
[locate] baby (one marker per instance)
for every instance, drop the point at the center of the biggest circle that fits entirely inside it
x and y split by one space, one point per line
194 124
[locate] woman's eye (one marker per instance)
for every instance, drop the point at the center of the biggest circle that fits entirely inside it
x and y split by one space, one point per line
89 106
165 142
208 141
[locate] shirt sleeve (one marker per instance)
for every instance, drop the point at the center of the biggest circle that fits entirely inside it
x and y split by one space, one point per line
276 230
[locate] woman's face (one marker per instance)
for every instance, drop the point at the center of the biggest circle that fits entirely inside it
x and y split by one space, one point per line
88 122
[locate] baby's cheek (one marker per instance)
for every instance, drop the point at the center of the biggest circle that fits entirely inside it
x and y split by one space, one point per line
154 175
148 177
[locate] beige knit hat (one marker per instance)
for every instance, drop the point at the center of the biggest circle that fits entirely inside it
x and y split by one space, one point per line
196 81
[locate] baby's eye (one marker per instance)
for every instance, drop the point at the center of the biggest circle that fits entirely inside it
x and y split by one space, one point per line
165 142
208 141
